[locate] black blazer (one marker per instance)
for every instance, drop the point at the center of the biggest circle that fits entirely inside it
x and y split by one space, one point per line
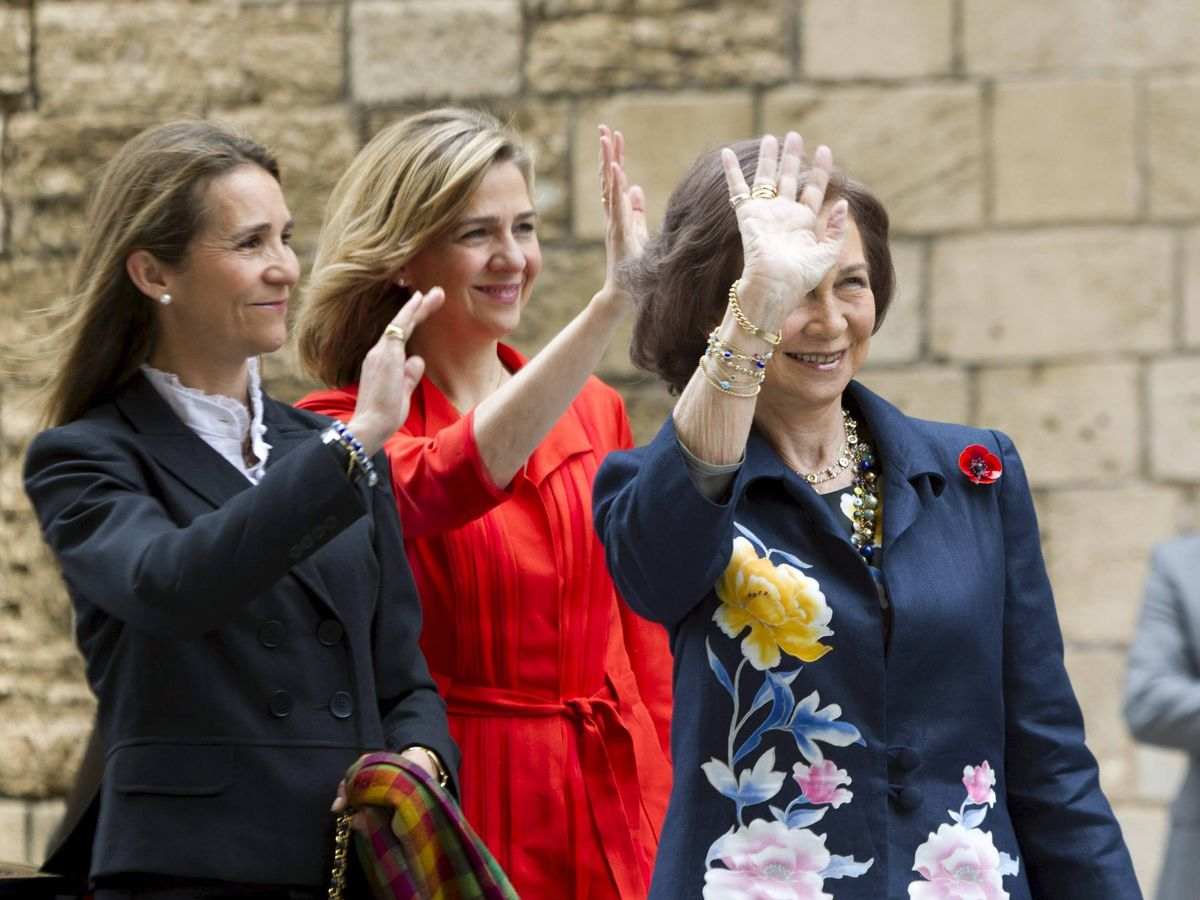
245 643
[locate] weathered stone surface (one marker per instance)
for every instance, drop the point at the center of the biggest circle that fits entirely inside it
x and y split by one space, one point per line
919 148
1175 414
28 284
549 9
13 818
1191 290
544 127
869 39
648 405
1046 294
43 819
162 58
1074 425
1096 542
664 134
1097 676
901 335
1173 120
1064 150
927 392
1145 831
15 44
314 146
408 49
714 44
1026 36
1159 772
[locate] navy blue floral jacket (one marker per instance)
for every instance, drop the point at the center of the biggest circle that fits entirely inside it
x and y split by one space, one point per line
812 761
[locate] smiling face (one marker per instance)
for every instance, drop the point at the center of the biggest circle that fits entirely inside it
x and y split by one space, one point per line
229 297
487 261
826 338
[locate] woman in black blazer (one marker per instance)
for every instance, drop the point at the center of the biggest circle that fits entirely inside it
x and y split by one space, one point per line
242 599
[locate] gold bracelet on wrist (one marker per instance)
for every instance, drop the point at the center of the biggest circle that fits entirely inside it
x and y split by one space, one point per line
772 338
727 385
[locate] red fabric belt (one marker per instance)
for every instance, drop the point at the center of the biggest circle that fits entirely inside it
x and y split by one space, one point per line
607 761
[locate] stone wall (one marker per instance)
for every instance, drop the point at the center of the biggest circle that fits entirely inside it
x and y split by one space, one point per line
1041 162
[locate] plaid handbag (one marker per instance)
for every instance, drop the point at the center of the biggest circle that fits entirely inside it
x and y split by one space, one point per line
417 845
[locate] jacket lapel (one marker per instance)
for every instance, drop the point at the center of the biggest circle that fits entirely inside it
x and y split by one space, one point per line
175 446
912 473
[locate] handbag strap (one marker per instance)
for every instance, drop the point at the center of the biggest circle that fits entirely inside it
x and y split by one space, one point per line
341 847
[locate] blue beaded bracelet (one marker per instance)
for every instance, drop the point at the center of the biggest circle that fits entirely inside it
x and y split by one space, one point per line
358 453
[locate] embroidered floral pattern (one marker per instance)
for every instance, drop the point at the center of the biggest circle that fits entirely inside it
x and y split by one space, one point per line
960 861
779 858
783 608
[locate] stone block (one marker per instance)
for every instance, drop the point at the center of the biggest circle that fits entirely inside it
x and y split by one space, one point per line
700 45
544 127
162 59
416 49
1028 36
14 818
1173 139
314 145
40 755
31 590
1160 772
1064 151
664 134
1074 425
1050 294
1175 417
50 167
15 48
1145 832
570 276
919 148
43 820
1096 542
900 337
927 392
843 39
1097 675
1191 290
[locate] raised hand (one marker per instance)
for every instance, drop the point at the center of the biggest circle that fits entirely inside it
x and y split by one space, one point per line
786 250
625 232
389 375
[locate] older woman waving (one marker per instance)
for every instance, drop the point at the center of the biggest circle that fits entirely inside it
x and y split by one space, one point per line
870 695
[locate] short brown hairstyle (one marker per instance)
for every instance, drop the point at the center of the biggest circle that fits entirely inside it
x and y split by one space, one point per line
681 281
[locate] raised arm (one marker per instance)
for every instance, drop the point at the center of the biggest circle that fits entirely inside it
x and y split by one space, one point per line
511 422
786 254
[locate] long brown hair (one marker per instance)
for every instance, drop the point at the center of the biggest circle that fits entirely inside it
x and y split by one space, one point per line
150 197
404 189
682 279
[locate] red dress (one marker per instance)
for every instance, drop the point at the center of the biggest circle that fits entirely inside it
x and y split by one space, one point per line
558 696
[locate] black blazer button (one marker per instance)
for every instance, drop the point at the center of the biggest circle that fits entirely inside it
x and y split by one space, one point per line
341 705
281 704
330 632
271 633
909 799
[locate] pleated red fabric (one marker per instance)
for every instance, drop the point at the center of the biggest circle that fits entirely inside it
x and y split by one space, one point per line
559 697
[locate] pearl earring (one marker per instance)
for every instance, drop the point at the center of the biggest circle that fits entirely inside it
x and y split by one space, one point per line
164 299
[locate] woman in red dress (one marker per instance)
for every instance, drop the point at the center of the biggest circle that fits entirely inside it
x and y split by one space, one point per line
558 696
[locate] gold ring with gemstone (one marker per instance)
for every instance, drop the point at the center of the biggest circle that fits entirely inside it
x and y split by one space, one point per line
395 331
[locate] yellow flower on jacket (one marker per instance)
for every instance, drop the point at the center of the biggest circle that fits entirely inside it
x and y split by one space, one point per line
783 608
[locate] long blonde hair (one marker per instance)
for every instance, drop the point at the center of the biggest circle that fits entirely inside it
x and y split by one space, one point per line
406 187
150 197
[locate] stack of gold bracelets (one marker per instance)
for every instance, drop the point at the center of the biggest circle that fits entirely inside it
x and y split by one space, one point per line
726 367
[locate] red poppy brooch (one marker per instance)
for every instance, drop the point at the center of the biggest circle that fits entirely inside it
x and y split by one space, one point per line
980 465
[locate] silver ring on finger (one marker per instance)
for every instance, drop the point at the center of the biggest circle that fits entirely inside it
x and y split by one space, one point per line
738 199
395 332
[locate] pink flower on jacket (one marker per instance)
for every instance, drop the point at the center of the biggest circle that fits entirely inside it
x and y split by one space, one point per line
822 783
958 863
979 781
768 861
